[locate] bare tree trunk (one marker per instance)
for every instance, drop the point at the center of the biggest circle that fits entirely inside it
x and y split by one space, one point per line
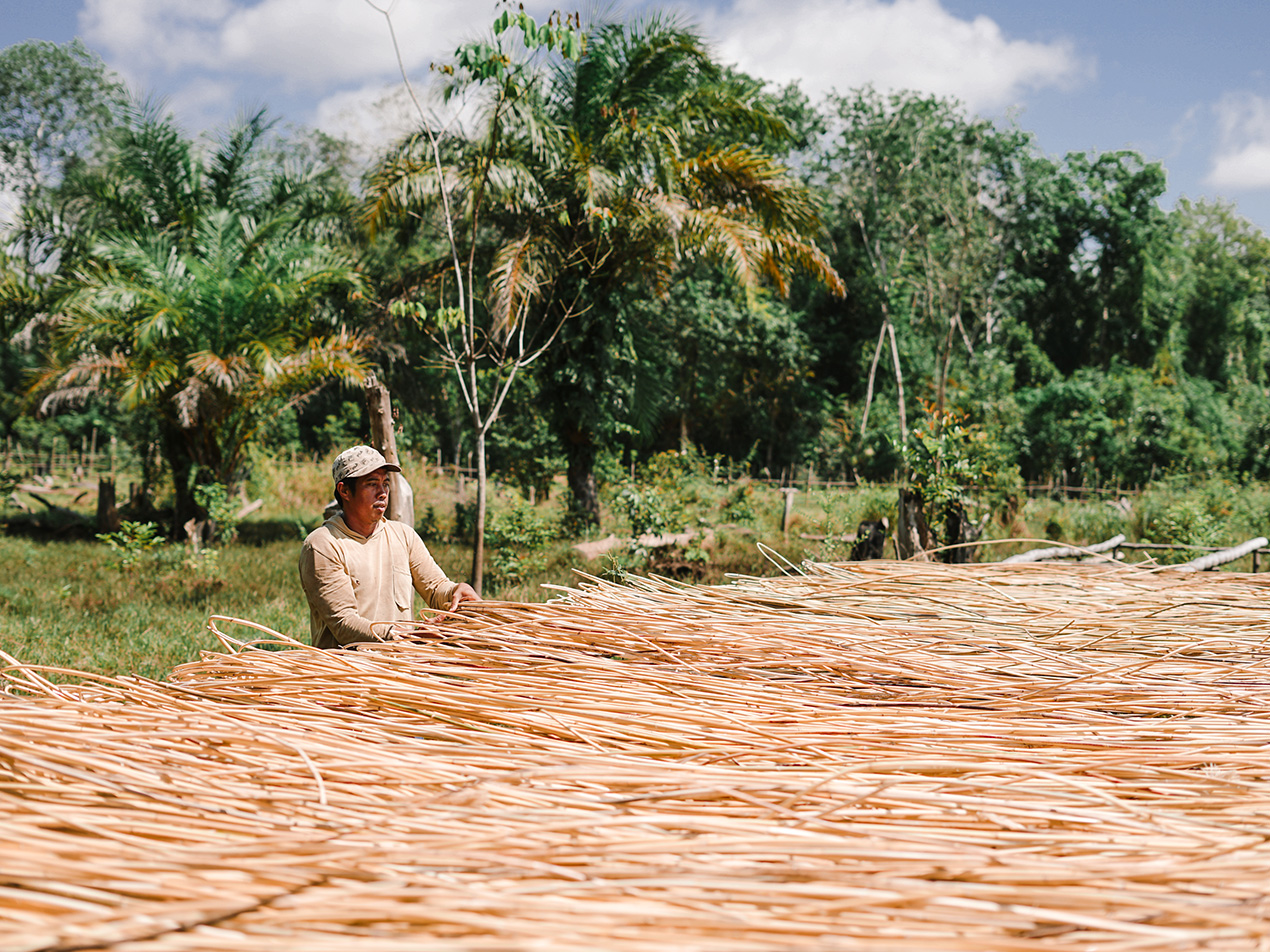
899 382
478 542
873 370
580 472
401 498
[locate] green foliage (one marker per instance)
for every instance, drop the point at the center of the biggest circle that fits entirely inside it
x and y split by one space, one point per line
662 223
649 510
738 506
1094 522
140 545
1186 522
428 525
341 429
204 293
464 520
845 511
56 103
1128 427
133 543
515 538
222 511
947 456
483 61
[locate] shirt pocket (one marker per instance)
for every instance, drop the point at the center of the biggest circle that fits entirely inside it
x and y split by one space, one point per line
403 591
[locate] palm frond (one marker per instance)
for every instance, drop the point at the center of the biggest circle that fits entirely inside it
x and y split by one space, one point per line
521 268
226 373
788 251
404 181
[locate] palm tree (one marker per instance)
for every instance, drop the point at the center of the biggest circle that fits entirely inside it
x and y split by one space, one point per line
654 163
209 295
600 175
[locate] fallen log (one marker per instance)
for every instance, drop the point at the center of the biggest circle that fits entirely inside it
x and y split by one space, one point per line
1214 559
1065 551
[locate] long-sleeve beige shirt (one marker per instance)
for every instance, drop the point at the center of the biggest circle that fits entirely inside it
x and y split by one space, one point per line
359 586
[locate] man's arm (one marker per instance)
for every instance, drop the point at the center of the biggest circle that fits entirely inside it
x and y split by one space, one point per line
433 584
330 593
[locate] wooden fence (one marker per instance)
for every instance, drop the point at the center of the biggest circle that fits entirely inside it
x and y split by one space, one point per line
58 457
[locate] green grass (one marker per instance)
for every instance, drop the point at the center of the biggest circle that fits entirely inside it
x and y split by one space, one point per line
67 604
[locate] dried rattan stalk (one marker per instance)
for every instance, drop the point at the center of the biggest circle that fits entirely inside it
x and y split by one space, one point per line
864 756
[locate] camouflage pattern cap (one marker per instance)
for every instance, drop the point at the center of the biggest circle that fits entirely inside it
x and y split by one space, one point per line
359 461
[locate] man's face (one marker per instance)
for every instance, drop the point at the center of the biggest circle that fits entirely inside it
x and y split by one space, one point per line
369 499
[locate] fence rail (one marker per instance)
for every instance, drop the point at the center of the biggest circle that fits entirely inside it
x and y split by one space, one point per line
58 457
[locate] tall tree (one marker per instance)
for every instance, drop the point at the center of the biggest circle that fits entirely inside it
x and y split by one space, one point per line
207 296
1087 232
1224 327
599 172
655 157
56 103
482 329
918 189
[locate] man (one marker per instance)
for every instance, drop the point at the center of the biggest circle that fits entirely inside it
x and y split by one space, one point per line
359 570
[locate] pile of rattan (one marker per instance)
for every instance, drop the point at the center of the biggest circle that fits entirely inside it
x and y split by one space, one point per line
876 756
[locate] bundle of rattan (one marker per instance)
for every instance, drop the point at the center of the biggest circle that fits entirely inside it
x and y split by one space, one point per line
879 756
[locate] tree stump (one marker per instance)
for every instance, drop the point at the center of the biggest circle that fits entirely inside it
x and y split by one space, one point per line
107 511
912 535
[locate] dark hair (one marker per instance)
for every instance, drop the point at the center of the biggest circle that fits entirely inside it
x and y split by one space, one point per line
349 483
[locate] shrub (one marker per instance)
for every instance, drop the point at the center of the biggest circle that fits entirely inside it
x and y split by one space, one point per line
738 506
515 539
222 512
649 510
133 542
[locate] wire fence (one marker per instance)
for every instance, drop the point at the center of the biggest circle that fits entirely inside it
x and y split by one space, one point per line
90 458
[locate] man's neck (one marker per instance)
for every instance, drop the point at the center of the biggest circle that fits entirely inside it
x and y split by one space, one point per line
359 526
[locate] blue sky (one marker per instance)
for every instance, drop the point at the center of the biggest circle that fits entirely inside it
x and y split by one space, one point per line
1182 82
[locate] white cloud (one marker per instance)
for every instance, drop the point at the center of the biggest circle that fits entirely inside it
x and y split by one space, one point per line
306 43
1242 159
905 44
146 35
371 117
205 102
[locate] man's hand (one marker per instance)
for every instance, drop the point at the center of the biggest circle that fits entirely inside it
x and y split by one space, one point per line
463 593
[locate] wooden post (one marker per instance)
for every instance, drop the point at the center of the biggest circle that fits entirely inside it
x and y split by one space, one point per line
401 498
789 509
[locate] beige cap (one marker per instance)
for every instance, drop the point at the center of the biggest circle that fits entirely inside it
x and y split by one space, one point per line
359 461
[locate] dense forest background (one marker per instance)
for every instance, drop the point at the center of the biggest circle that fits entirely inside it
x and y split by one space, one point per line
624 248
